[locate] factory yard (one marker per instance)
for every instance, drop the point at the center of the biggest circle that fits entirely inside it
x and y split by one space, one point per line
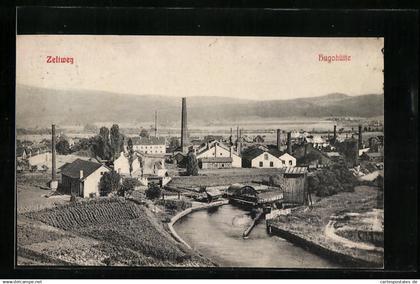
347 226
221 177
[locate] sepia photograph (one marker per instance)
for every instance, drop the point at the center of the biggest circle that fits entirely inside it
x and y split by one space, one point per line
200 151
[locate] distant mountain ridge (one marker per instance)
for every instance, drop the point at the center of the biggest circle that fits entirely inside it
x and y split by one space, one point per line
43 106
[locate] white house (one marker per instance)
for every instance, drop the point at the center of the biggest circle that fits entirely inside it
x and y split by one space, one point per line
81 178
122 164
317 142
149 145
217 149
142 165
258 158
287 160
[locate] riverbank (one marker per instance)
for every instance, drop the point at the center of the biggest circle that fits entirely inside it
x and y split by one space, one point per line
346 227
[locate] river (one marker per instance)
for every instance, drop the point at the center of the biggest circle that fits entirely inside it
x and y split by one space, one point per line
217 233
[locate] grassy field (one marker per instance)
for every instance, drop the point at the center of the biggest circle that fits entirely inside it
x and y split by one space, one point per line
31 190
351 211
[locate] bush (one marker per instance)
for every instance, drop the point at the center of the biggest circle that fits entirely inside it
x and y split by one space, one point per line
175 204
110 182
153 191
192 164
327 182
128 186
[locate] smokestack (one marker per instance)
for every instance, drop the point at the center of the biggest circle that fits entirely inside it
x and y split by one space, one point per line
289 142
306 149
335 132
184 129
54 182
278 139
360 137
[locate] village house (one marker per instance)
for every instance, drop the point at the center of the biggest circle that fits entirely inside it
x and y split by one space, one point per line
142 164
258 139
219 150
317 142
258 158
149 145
38 156
144 167
287 160
81 178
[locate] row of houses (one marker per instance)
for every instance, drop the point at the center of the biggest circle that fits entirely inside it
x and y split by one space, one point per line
218 155
260 157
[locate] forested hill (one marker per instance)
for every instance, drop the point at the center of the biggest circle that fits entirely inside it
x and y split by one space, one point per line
38 106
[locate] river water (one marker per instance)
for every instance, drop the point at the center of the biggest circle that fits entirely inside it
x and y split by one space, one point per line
217 234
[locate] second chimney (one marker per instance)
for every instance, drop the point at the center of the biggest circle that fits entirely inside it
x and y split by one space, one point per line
360 137
81 174
335 132
278 139
289 142
184 128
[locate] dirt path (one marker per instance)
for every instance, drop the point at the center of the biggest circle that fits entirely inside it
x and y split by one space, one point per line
330 233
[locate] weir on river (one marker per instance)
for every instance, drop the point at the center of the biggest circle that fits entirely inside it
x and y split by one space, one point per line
217 233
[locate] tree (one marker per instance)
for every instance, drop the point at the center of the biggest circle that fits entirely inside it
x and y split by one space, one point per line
192 164
116 141
141 162
62 147
110 182
128 186
174 143
130 151
104 133
100 148
153 191
144 133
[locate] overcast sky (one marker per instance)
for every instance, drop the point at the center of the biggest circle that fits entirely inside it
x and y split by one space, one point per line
260 68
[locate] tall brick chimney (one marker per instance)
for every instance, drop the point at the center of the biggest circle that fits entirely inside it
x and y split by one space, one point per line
360 144
278 139
184 129
289 142
335 132
53 182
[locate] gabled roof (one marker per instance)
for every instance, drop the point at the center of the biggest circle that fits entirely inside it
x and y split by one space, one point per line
252 153
211 144
73 169
148 140
286 155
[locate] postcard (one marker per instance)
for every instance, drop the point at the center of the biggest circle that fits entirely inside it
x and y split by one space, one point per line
199 151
